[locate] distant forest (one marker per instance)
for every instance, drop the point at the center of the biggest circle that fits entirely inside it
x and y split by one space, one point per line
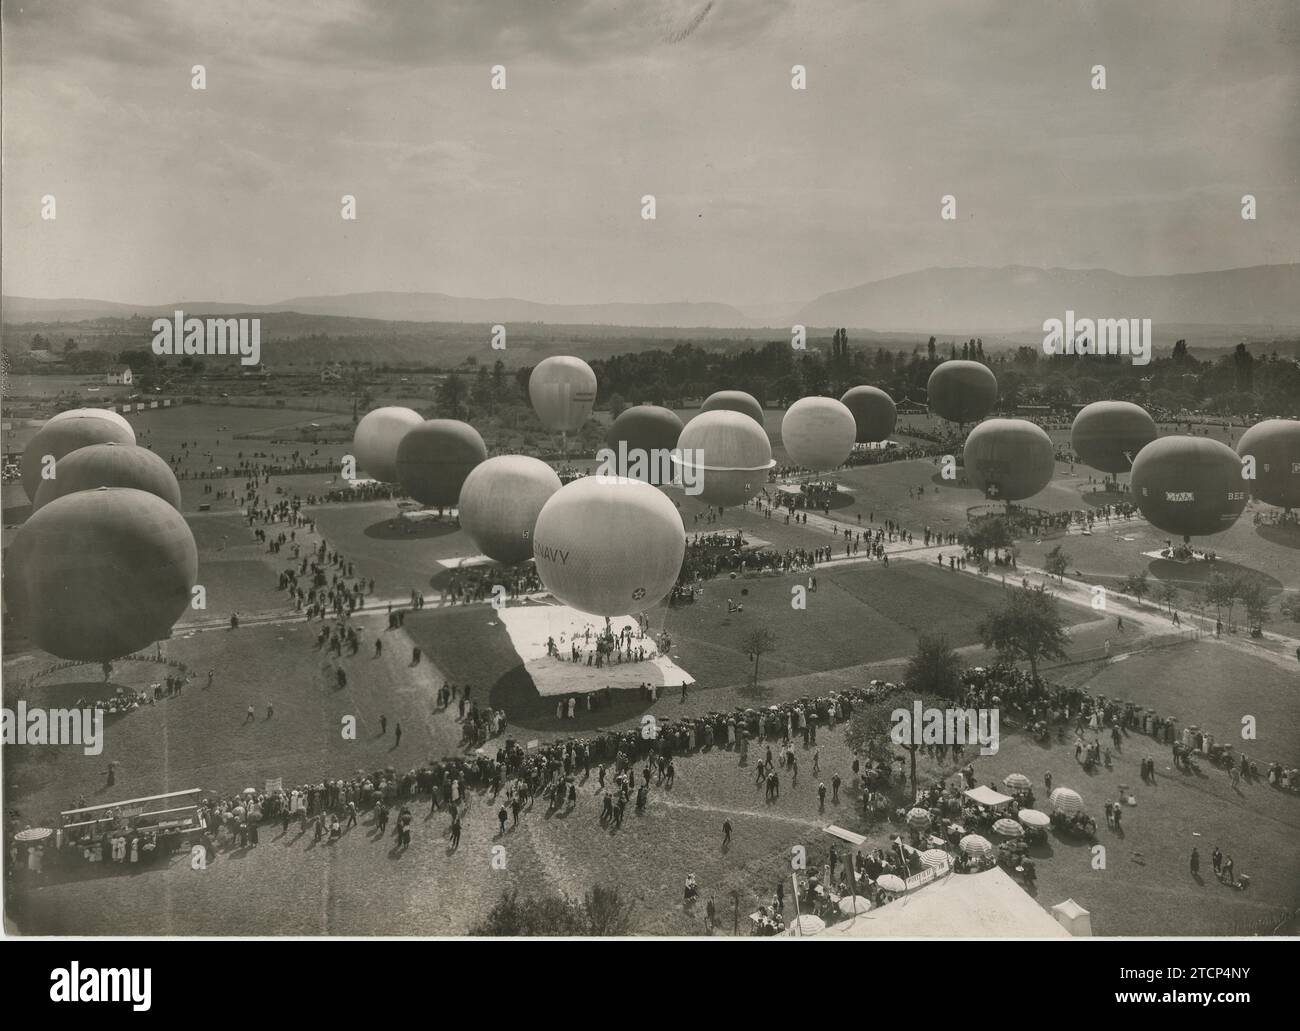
1244 381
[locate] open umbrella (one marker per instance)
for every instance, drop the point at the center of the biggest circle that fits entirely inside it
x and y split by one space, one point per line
934 858
851 904
918 818
33 834
1008 828
1033 818
1017 782
891 882
974 845
806 926
250 791
1066 801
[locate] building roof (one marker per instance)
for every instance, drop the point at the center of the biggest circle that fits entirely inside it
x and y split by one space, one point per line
119 368
978 905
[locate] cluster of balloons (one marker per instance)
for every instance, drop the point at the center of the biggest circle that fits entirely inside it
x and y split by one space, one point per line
1191 486
603 545
105 565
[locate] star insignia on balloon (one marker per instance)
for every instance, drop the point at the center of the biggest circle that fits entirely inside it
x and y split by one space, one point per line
638 594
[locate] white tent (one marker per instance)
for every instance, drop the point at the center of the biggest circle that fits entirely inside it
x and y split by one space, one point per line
1074 918
987 796
980 905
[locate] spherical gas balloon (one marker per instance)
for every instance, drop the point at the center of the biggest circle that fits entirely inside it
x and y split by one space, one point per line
723 457
874 413
609 545
1009 459
734 401
1189 485
1107 435
640 444
563 391
110 465
962 391
434 458
818 432
375 440
101 573
95 413
499 504
60 437
1275 446
646 428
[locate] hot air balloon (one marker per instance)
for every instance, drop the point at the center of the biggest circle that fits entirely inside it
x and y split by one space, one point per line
723 457
962 391
609 545
375 440
110 465
874 413
818 432
60 437
1009 459
434 458
1190 486
101 573
95 413
500 501
1107 435
1275 446
734 401
563 390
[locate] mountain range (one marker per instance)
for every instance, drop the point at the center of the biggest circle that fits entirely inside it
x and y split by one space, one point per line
966 300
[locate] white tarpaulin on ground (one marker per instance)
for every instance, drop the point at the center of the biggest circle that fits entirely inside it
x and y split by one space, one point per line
980 905
1074 918
856 840
987 796
530 626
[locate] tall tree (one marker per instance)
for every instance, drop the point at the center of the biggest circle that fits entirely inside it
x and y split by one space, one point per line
1028 628
757 643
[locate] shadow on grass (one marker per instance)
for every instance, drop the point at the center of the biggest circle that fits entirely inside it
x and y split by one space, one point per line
1200 572
1283 536
403 530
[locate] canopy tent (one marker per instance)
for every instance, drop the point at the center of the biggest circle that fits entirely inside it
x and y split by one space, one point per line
1066 801
987 797
974 845
1074 918
982 905
806 926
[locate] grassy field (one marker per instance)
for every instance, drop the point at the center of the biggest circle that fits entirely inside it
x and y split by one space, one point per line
861 623
288 885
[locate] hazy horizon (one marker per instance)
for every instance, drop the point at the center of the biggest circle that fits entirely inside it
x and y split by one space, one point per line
767 197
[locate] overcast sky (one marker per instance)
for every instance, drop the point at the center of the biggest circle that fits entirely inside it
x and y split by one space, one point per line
765 194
